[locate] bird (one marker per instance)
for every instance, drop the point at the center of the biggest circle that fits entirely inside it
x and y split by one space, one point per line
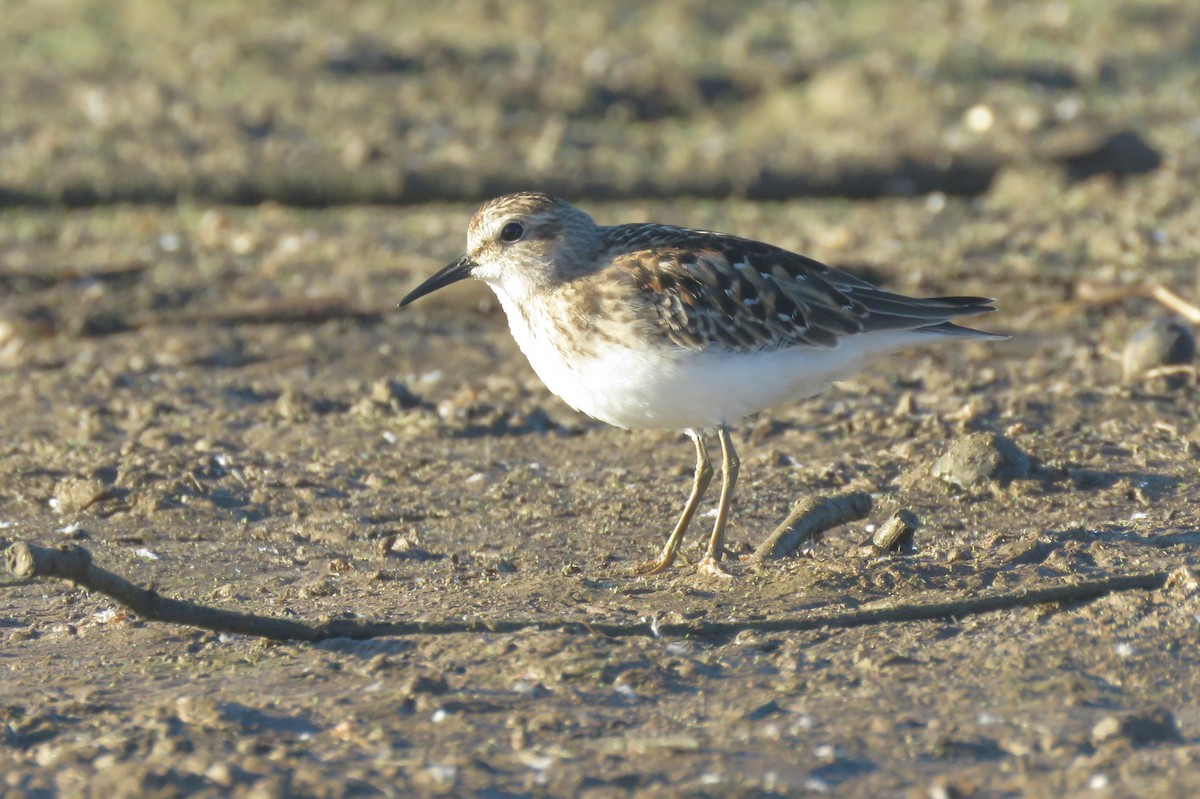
653 326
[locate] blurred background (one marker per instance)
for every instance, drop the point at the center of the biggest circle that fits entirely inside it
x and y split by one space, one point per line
322 103
159 161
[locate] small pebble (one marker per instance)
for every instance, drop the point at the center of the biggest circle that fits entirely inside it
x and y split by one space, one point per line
1086 151
73 495
435 685
979 118
394 394
978 458
1140 729
1164 342
896 534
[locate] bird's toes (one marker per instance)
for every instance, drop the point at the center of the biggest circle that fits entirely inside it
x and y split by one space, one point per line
711 567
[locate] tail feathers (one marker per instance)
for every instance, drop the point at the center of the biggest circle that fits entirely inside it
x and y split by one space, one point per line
958 331
968 306
887 311
895 310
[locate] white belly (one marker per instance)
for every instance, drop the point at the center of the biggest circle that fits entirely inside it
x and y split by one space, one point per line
675 389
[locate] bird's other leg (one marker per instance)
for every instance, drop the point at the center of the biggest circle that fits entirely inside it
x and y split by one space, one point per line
703 476
729 474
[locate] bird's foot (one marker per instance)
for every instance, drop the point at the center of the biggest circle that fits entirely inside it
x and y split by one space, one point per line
665 560
712 567
653 567
660 564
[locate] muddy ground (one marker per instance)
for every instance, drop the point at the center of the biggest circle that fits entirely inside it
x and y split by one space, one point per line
204 382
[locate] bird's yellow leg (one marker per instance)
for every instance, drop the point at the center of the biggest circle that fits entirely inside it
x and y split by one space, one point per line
703 476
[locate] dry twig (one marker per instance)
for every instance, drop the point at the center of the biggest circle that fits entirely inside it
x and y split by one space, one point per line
74 563
1179 305
1178 370
810 517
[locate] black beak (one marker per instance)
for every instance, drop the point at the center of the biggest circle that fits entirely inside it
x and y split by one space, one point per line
451 273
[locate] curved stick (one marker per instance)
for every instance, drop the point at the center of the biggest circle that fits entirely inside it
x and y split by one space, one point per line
810 517
74 563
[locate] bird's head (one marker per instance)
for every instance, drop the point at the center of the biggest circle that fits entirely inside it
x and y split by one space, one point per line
520 244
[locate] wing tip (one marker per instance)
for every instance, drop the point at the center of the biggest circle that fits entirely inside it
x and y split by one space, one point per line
951 330
967 305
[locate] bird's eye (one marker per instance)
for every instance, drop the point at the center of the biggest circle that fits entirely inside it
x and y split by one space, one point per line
511 232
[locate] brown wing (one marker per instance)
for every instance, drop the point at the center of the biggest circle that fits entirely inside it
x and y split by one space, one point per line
709 289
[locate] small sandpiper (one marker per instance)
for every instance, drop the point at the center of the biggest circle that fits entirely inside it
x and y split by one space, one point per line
654 326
